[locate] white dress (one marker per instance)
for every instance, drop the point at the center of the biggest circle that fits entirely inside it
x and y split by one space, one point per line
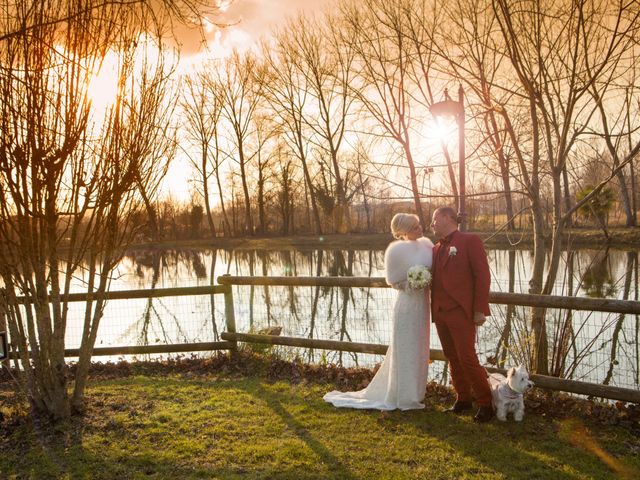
402 378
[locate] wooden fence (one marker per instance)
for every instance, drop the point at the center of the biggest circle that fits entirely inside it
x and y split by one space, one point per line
548 301
156 293
231 337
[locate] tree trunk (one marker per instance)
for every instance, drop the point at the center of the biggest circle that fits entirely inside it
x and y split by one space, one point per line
205 193
248 221
567 194
312 197
226 226
634 203
364 197
624 194
539 363
262 217
417 201
152 215
494 137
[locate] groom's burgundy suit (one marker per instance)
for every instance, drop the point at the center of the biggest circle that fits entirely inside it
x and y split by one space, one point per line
460 287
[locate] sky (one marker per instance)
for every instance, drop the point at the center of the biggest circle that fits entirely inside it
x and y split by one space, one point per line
247 21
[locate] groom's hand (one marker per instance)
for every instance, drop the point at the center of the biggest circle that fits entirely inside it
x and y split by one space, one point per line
479 318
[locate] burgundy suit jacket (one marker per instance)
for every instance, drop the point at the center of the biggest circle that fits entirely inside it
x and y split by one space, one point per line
465 276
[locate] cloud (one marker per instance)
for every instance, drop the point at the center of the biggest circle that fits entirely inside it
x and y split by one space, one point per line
246 22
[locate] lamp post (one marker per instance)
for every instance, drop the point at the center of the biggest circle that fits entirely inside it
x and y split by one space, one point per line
451 108
428 171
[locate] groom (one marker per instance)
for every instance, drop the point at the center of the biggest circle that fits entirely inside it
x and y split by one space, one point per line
459 304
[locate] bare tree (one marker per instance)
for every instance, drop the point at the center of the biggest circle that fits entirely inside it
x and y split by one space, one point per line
287 94
70 182
327 66
378 31
265 133
192 12
202 108
618 128
285 184
468 49
239 85
559 53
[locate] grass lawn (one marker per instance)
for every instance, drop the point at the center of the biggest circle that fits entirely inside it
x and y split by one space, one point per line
226 425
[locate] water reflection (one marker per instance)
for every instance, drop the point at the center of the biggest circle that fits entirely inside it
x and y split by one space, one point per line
597 279
592 346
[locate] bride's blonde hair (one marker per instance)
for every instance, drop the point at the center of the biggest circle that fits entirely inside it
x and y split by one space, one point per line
403 223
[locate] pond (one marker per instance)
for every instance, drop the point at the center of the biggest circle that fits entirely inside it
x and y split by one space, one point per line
589 346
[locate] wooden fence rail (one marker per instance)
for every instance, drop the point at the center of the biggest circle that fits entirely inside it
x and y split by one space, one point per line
503 298
155 293
146 293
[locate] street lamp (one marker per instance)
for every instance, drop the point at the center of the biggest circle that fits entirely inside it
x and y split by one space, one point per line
451 108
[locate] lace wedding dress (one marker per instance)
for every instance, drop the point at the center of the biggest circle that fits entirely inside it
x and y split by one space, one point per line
402 378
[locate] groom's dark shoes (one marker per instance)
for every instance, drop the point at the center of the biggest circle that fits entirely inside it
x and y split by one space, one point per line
459 407
484 414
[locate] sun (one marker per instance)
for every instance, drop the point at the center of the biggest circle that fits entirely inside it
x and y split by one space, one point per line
103 85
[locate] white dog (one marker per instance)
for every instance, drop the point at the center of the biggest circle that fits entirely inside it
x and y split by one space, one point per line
508 392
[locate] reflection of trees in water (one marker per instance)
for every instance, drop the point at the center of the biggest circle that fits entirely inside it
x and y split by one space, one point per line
314 305
576 339
580 337
342 267
511 345
597 280
563 340
616 342
297 308
263 255
503 346
166 264
212 298
289 267
170 265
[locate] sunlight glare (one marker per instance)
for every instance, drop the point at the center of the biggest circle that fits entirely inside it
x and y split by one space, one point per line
441 131
103 86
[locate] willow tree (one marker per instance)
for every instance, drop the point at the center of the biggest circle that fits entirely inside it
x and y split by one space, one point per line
70 177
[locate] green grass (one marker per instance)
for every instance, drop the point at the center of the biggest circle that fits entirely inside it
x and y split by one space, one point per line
179 427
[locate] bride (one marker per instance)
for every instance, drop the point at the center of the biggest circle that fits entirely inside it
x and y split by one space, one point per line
402 378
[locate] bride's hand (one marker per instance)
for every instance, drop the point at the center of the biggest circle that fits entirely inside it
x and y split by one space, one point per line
402 285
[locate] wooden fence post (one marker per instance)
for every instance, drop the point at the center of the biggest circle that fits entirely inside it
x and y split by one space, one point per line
229 314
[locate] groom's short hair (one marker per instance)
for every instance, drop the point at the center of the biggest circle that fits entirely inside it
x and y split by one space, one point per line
448 212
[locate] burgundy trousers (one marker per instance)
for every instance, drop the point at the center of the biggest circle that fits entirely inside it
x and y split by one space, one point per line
458 338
